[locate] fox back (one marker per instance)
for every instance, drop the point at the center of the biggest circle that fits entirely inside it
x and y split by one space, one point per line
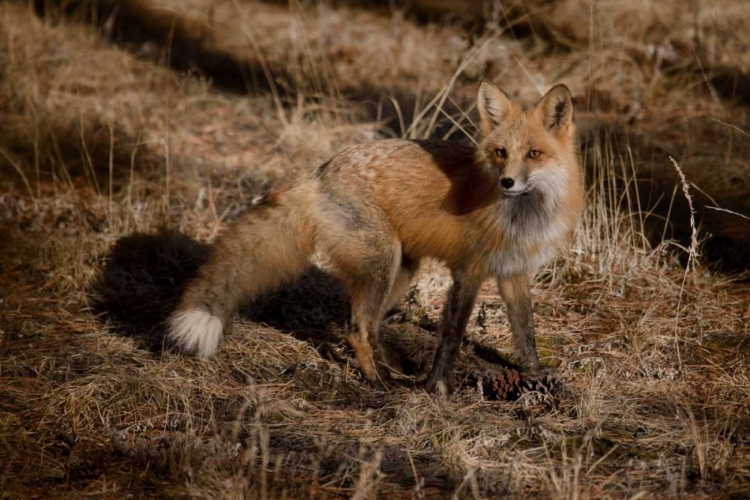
507 205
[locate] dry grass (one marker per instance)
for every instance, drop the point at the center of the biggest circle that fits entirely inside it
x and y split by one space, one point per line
116 171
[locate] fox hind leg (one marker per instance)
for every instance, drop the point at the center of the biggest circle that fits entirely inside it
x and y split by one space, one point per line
398 289
369 295
368 266
393 275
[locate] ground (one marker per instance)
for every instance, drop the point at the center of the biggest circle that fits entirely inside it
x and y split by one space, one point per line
132 132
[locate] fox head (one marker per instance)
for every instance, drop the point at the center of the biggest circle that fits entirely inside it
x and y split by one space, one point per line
527 149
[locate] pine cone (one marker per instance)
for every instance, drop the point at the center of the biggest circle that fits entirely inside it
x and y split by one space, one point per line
505 385
497 384
85 468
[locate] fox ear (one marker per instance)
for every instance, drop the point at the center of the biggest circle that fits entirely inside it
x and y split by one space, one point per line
493 105
556 108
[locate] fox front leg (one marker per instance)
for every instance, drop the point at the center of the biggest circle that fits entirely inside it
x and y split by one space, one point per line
516 292
456 312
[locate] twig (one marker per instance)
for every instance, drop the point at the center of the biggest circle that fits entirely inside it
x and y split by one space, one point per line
719 209
692 249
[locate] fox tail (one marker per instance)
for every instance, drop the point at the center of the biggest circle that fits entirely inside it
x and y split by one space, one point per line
267 246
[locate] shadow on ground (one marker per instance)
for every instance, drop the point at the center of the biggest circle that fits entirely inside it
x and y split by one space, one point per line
315 309
144 276
141 282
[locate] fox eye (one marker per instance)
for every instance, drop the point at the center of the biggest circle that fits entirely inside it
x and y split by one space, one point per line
535 153
502 153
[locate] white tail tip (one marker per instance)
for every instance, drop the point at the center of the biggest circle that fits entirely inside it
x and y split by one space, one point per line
196 331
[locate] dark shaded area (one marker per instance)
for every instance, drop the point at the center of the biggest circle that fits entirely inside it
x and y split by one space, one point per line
149 465
311 308
396 110
713 157
731 83
315 308
474 16
73 154
399 467
185 46
396 464
728 82
181 43
142 280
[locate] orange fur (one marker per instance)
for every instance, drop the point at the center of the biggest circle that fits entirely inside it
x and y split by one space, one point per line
500 210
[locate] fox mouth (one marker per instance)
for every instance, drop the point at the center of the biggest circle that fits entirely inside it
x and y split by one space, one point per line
513 194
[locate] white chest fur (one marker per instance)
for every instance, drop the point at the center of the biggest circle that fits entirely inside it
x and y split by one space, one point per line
530 242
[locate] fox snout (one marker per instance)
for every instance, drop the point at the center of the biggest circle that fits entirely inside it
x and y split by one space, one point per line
514 181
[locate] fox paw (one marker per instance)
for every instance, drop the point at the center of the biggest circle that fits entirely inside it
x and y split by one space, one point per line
438 386
377 375
541 372
545 378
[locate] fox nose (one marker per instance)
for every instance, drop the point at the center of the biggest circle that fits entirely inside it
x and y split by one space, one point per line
507 182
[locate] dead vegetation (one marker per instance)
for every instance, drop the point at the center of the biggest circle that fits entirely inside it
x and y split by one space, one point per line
125 146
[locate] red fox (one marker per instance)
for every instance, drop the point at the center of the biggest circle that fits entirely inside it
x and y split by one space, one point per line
499 210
